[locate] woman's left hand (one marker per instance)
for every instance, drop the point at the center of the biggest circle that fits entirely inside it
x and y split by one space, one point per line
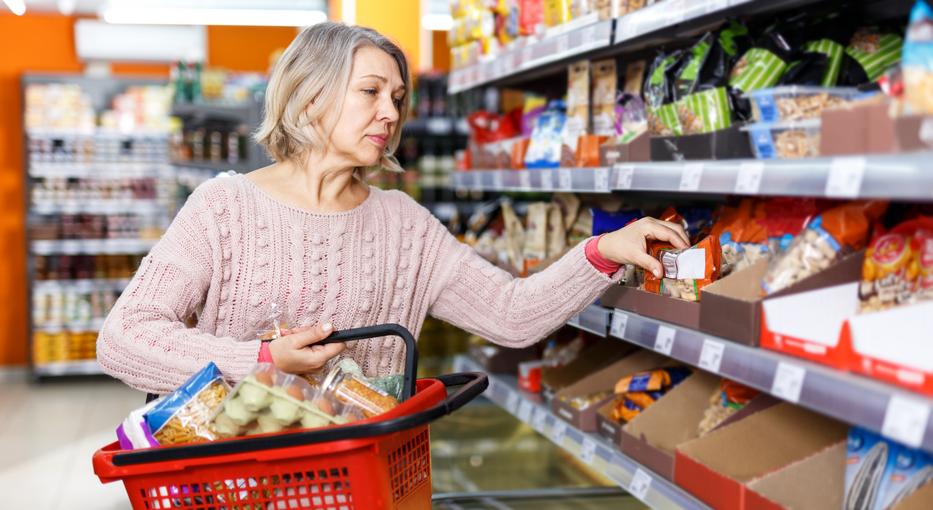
629 245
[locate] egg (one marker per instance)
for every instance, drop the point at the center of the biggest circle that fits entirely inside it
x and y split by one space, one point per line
295 392
266 377
325 406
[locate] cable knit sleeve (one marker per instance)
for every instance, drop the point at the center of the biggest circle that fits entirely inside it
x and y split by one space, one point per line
145 341
473 294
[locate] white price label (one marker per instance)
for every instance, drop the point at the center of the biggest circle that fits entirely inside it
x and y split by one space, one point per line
539 422
788 381
601 180
845 177
497 181
691 177
558 431
563 43
626 29
641 483
664 341
511 404
524 180
749 179
619 324
711 355
525 410
547 180
527 56
906 420
588 450
624 176
565 179
712 6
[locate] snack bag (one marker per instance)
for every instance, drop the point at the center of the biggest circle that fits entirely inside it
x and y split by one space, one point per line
660 96
726 401
892 272
829 237
918 59
742 238
923 257
578 104
184 416
545 148
536 232
605 89
637 392
271 326
763 65
870 53
686 271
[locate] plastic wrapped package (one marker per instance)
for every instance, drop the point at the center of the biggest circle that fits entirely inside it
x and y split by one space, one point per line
918 59
871 52
897 264
827 238
742 238
792 103
636 392
785 140
605 90
605 222
544 150
578 104
730 398
352 390
659 95
134 433
184 416
766 61
556 12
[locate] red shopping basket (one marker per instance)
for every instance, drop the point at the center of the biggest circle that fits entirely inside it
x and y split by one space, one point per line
380 463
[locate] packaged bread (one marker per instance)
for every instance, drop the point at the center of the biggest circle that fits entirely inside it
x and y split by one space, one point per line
184 416
893 271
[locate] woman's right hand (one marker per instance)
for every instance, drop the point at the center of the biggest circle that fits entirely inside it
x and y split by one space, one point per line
295 352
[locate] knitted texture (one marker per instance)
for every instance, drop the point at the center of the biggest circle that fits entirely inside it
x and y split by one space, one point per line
233 250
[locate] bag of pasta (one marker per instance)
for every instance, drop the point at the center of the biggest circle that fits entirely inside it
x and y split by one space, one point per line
184 416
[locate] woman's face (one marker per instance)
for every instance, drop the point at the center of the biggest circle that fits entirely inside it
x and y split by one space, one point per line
370 111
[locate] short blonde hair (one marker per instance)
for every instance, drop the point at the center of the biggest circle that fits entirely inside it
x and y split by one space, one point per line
315 70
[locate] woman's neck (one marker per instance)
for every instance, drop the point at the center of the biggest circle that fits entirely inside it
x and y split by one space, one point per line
313 184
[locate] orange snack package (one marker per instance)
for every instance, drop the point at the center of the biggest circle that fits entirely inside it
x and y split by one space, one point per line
686 271
897 267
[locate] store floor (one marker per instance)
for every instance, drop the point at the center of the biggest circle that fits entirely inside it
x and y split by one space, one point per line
50 431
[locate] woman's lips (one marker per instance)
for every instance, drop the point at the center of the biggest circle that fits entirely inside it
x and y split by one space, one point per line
378 140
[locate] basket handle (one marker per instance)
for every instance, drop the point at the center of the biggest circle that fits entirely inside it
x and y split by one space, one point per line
472 384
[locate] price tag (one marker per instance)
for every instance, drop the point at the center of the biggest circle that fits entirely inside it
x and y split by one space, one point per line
565 179
547 180
588 450
624 176
525 410
558 431
527 56
524 180
906 420
664 341
749 179
497 181
788 381
641 483
691 176
712 6
711 355
511 404
626 29
601 180
845 177
563 44
619 324
539 422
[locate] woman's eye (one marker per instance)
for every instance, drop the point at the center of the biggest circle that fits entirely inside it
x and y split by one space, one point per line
370 92
398 102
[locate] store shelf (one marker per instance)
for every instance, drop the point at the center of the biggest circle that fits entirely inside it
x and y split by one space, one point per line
62 368
92 246
651 489
93 325
436 126
96 134
571 40
594 319
219 166
100 170
116 284
231 110
105 206
896 177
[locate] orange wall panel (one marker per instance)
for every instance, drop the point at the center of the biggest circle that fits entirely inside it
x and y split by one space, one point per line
400 20
246 48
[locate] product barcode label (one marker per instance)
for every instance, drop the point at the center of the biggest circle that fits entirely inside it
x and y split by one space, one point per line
558 431
749 179
601 180
691 177
711 355
788 381
641 483
547 180
619 324
525 410
624 176
845 177
565 178
664 341
588 450
905 420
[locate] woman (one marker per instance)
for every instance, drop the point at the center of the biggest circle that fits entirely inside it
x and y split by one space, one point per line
308 235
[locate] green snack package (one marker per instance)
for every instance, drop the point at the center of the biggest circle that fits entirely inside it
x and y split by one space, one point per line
705 112
873 52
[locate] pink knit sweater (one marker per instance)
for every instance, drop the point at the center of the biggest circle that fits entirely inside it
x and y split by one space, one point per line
233 250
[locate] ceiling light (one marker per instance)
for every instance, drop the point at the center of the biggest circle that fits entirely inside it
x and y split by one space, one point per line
127 14
438 22
18 7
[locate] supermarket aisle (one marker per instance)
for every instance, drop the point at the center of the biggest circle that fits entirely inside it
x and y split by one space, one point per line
47 437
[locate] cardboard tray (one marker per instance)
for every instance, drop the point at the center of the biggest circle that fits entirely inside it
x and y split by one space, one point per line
731 143
654 435
732 306
814 483
604 379
503 360
636 151
675 311
715 468
603 353
869 129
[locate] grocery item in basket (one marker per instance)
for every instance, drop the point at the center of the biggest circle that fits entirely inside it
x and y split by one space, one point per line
352 390
870 53
544 150
892 273
134 433
637 392
792 103
829 237
271 326
730 398
605 90
184 416
785 140
918 59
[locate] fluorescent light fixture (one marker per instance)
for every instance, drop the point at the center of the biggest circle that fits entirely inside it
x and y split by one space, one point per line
127 14
67 7
438 22
18 7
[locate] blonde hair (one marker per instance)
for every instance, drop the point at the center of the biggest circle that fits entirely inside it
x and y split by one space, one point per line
312 76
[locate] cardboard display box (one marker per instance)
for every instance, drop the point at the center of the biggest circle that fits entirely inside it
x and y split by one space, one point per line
605 352
606 426
920 500
604 379
891 345
636 151
715 468
732 306
654 435
869 129
668 309
731 143
814 483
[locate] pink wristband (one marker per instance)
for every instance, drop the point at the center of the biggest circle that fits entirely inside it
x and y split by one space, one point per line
602 264
265 355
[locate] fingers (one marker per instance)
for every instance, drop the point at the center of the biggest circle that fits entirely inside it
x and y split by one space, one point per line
669 232
311 335
648 263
